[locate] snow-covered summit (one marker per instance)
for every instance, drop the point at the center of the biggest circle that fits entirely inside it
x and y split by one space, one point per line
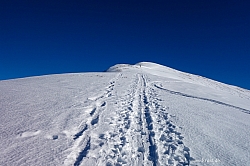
178 77
140 65
142 114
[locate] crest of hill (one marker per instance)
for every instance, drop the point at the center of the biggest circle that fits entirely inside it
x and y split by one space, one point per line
167 72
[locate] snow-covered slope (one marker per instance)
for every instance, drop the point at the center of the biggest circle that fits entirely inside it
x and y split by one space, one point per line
143 114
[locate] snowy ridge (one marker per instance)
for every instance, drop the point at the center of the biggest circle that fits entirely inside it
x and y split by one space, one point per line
168 72
143 114
178 77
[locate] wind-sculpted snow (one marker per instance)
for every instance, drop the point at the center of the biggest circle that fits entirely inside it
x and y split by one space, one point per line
143 114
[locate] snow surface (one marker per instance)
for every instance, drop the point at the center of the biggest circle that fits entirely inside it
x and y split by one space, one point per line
143 114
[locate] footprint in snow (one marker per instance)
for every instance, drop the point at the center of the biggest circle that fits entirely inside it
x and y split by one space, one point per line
29 133
52 137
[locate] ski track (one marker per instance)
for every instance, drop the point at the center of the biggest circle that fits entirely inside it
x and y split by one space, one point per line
142 132
124 124
166 142
201 98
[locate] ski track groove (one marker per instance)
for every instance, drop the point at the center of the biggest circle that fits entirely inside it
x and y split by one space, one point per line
138 141
143 133
153 155
117 138
201 98
168 136
170 140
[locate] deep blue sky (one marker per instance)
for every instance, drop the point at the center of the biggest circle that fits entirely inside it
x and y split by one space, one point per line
205 37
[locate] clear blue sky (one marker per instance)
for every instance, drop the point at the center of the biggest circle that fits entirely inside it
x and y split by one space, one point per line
205 37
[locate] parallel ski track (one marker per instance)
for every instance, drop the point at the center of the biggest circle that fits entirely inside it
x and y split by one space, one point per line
147 134
122 150
129 141
143 133
168 138
153 154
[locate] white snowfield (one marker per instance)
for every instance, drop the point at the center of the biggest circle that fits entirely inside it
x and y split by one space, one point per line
133 115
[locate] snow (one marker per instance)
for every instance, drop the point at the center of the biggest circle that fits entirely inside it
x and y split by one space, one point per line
142 114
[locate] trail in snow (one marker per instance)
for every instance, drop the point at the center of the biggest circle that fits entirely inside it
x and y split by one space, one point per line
82 139
143 133
201 98
167 145
144 114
